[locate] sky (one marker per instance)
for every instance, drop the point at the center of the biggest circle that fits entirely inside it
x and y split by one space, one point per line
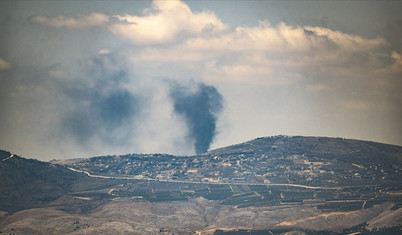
89 78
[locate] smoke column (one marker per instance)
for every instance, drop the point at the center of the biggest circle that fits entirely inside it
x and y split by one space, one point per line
200 110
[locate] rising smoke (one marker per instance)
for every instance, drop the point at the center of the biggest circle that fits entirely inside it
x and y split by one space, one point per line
200 110
101 105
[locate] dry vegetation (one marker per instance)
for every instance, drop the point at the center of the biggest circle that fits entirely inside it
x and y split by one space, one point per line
126 216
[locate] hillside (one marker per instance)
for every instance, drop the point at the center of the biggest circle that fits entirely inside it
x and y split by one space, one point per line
29 183
267 185
312 161
323 147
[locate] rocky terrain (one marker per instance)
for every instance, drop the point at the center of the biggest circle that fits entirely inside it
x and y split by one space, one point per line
272 185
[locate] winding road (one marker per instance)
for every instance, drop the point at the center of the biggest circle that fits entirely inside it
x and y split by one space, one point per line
197 182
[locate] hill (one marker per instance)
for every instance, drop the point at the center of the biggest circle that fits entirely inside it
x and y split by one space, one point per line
272 185
316 147
312 161
29 183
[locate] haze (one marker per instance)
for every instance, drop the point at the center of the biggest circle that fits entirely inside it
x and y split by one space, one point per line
86 78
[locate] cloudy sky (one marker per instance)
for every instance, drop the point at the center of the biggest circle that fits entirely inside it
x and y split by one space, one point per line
85 78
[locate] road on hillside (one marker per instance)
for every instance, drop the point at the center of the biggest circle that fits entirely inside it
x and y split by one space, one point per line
197 182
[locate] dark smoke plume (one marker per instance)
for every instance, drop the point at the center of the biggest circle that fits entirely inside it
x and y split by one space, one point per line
101 105
200 110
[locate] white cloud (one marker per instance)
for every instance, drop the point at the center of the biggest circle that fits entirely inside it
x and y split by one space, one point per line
261 38
182 36
165 22
347 42
284 37
264 54
171 35
4 65
92 19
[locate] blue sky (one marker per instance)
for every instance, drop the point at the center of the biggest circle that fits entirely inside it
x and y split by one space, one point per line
86 78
